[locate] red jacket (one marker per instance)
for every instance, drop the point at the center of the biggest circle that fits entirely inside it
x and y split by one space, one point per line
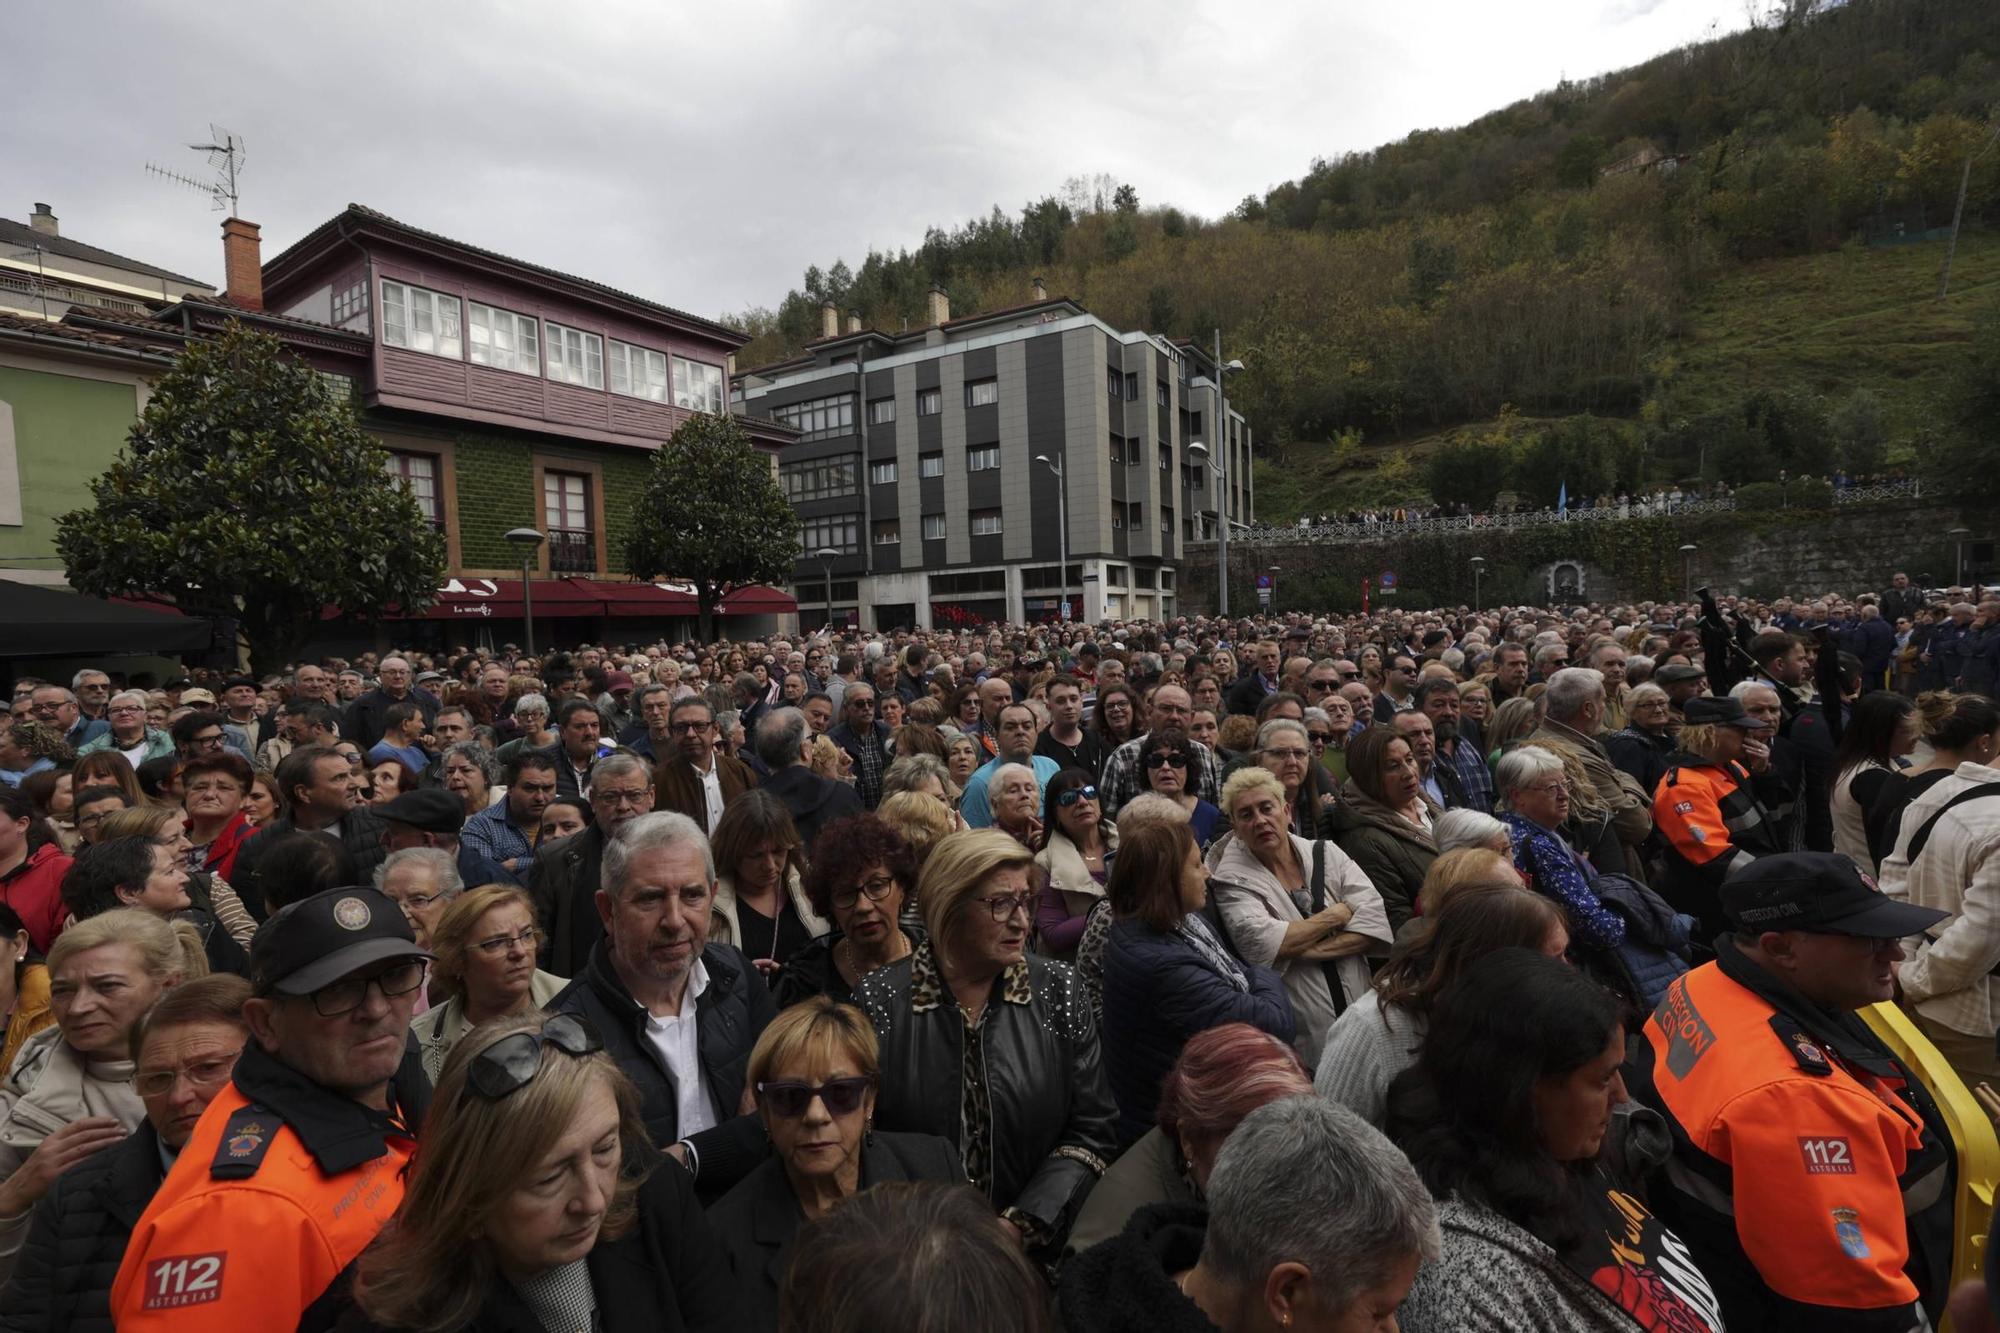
34 890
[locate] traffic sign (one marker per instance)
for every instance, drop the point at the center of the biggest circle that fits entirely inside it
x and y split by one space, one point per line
1265 582
1388 579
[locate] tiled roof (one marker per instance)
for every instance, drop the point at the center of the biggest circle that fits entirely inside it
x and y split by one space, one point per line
364 213
271 316
70 333
19 235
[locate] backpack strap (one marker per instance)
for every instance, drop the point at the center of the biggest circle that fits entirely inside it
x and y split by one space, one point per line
1923 835
1331 968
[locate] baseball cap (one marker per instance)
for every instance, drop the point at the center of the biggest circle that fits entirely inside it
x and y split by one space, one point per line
1673 673
427 809
197 695
236 681
619 680
1707 710
316 941
1821 892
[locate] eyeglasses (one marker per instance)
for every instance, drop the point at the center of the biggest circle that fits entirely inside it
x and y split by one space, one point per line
1350 675
1167 759
1558 788
204 1075
125 710
345 995
789 1100
875 889
612 796
500 944
1286 754
1066 799
689 728
1320 737
213 742
512 1062
1004 906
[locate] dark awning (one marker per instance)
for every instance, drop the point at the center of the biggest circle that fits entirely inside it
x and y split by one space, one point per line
48 622
560 598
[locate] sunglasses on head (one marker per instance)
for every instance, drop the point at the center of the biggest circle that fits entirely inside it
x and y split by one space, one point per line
1165 758
512 1062
788 1099
1066 799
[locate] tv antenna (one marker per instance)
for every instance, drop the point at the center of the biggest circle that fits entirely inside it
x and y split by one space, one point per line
226 154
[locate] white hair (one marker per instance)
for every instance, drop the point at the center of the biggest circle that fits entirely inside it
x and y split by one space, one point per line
133 696
1522 765
1305 1180
651 832
1570 691
440 862
1466 828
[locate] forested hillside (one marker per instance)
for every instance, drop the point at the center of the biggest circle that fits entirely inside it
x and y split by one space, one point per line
1562 275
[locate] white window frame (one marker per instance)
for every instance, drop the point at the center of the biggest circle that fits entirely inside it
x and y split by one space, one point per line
881 411
882 474
933 527
985 522
982 393
930 465
523 352
985 458
930 402
888 532
418 319
414 470
638 372
567 487
697 385
574 356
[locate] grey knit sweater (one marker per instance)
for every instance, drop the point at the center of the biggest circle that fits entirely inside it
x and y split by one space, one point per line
1494 1277
1363 1054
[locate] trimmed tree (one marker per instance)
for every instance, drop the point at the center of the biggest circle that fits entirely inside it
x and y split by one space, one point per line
711 513
249 491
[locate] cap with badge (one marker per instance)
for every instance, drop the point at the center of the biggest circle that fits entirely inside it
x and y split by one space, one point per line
427 809
1819 892
1708 711
316 941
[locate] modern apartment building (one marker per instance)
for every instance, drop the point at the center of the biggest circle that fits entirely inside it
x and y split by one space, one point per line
918 465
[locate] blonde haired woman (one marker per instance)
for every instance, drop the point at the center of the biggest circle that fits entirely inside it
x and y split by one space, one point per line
969 1002
534 1201
485 945
69 1091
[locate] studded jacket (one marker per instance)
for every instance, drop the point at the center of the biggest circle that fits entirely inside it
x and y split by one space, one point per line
1022 1094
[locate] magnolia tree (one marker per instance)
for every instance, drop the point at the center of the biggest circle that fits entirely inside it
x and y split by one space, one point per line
711 514
249 491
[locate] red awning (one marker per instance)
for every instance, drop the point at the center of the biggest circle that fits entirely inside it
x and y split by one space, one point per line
461 599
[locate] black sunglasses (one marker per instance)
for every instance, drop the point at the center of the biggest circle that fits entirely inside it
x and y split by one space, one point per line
512 1062
1164 758
1066 799
788 1099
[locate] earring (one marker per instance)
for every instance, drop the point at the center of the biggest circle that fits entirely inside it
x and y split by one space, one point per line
868 1131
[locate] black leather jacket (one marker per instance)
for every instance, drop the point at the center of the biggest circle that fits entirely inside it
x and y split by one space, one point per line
1050 1114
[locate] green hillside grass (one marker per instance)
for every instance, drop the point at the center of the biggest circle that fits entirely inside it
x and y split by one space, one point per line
1823 324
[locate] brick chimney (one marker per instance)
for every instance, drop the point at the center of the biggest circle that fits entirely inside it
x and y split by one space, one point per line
829 319
43 220
1040 288
940 306
854 321
242 263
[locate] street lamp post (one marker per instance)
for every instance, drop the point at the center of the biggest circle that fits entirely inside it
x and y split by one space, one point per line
1958 536
529 540
1478 572
1223 473
1687 570
826 556
1062 532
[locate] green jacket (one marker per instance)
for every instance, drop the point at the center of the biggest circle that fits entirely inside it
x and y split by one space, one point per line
159 745
1394 853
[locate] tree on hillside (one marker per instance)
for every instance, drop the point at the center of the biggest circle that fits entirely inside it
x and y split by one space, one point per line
711 513
1967 461
248 491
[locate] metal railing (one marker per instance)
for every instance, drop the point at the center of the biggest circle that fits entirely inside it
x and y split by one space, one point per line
572 551
1650 507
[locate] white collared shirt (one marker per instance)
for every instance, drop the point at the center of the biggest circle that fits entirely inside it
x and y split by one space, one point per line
678 1042
711 790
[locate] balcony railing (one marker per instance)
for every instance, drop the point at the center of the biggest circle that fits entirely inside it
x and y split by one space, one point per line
572 551
1382 528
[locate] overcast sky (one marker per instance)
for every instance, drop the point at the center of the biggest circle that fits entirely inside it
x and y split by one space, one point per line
703 157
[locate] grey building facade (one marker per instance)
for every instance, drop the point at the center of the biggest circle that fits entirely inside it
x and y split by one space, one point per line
916 464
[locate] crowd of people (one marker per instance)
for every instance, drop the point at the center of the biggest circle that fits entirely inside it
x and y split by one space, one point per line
1496 969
